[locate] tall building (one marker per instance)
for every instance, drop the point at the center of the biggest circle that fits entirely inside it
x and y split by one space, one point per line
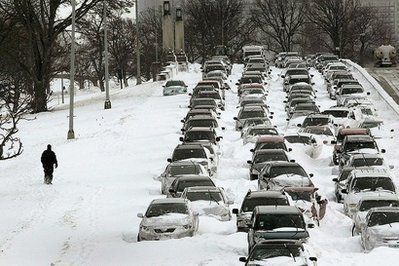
388 10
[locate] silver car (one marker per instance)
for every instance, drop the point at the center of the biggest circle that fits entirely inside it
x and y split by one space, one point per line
209 201
177 169
381 228
166 219
368 202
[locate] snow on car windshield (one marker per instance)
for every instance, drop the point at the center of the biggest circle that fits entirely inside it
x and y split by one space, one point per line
249 204
368 204
204 195
273 221
184 170
165 208
262 252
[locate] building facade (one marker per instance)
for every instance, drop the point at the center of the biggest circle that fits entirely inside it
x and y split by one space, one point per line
388 10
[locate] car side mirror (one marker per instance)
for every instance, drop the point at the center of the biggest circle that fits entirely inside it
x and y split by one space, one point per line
292 161
182 130
235 118
289 149
140 215
234 211
211 159
312 83
181 139
218 138
335 179
237 84
171 190
299 125
310 226
383 151
283 76
243 259
169 160
311 175
249 162
190 94
285 101
252 150
368 93
223 128
314 259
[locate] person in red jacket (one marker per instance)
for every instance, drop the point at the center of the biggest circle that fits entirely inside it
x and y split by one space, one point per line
49 160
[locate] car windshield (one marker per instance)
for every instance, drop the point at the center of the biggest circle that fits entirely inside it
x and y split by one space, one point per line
344 174
249 204
250 114
209 94
381 218
204 195
297 80
254 122
368 204
268 157
343 76
182 184
291 72
373 183
371 124
300 195
319 131
337 113
159 209
298 139
262 252
174 83
202 123
200 101
276 145
247 80
307 107
245 102
253 91
366 111
351 90
353 146
287 170
184 170
274 221
182 154
199 135
359 162
262 131
315 121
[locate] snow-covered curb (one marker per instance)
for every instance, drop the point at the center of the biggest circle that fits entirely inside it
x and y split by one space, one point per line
380 90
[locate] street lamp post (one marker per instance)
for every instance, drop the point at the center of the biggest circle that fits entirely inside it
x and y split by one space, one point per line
137 45
71 133
107 103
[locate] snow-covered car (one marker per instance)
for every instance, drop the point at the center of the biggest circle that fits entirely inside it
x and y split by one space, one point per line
349 90
340 114
368 202
342 132
209 201
250 112
276 222
257 198
167 219
253 122
304 109
200 121
325 133
381 228
270 142
193 152
277 175
201 134
367 160
279 252
198 103
180 168
365 182
252 133
217 73
173 87
318 120
194 112
307 143
179 184
340 182
261 157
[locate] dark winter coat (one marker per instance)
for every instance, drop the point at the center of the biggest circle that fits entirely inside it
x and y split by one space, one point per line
49 159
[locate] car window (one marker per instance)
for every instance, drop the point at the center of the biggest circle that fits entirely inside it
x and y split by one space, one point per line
165 208
368 204
182 154
373 184
184 170
274 221
262 253
260 158
249 204
381 218
182 184
288 170
204 195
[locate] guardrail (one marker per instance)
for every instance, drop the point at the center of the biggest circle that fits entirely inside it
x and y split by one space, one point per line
379 89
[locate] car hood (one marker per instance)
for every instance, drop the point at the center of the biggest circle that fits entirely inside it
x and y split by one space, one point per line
386 230
279 261
170 219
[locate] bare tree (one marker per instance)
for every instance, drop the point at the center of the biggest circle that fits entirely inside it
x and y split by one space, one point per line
40 23
280 21
216 22
334 18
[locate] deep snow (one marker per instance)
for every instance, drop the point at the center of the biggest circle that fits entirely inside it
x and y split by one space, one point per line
107 175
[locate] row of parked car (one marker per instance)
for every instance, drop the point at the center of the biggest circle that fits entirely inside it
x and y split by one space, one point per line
187 181
277 216
364 183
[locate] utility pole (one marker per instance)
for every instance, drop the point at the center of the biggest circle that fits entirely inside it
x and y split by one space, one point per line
107 103
71 133
138 45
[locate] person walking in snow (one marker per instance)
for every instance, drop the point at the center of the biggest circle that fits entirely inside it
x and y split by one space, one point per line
318 209
49 160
